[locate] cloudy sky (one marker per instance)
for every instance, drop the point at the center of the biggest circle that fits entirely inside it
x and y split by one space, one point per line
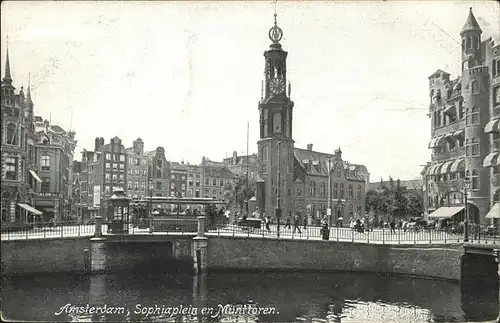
187 76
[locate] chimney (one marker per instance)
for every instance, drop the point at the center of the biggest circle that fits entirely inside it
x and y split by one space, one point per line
310 147
235 155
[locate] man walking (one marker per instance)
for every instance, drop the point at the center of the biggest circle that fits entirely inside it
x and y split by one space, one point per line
296 224
288 222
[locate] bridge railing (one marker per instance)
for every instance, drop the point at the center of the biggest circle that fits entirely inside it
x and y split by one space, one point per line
370 235
41 230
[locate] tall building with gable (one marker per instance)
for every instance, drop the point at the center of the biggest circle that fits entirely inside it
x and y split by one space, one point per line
465 115
299 181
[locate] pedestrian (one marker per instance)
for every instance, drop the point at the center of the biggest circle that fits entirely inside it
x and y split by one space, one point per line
267 219
296 224
305 222
288 222
393 227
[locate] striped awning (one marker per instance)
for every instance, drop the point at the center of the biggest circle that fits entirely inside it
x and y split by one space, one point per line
435 141
434 169
446 212
450 110
492 126
445 169
491 160
459 133
458 165
494 213
30 209
35 176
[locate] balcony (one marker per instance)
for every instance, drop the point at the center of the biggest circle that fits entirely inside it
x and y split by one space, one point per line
451 127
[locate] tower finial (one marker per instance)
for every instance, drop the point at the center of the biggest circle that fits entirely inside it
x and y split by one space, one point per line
275 33
7 78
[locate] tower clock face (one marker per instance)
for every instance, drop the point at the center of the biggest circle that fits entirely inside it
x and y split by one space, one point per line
277 86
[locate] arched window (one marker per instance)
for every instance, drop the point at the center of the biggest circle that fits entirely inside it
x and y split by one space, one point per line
351 211
475 87
463 43
351 191
469 42
494 67
11 134
478 43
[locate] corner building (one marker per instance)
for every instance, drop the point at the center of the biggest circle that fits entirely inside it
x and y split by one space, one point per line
465 114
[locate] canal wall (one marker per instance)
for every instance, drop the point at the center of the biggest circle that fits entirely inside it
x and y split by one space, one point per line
109 254
433 261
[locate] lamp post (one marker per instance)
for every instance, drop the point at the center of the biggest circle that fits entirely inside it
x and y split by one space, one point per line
329 211
278 191
150 197
236 194
466 217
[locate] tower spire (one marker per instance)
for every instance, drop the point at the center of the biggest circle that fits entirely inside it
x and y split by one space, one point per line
471 24
28 94
7 78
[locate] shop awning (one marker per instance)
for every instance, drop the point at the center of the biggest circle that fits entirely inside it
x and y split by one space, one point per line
445 169
494 212
446 212
492 126
459 133
450 110
490 160
458 165
30 209
435 141
35 176
434 169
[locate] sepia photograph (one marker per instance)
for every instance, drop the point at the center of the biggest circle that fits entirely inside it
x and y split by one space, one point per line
250 161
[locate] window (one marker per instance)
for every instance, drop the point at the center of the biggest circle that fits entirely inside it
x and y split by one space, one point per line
461 110
475 87
206 193
11 168
129 185
475 116
130 160
158 186
122 158
207 181
197 184
341 190
190 192
335 190
475 180
496 92
277 122
108 165
107 177
122 178
264 153
45 187
108 156
45 162
264 169
351 191
475 147
115 166
469 42
477 42
114 177
11 134
351 211
144 161
214 182
358 191
312 188
299 191
322 189
122 166
339 172
221 183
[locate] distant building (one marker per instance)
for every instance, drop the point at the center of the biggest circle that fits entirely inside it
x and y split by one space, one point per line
159 170
137 170
178 179
465 118
103 170
208 179
55 149
239 165
413 185
194 180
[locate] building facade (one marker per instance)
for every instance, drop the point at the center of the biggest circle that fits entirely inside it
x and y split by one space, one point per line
240 165
178 179
464 115
194 180
137 170
299 181
214 176
103 170
321 179
18 155
159 178
55 150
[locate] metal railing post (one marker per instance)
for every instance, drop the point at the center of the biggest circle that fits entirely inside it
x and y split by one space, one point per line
399 235
383 235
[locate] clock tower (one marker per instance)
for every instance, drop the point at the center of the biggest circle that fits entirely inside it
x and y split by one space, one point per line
276 153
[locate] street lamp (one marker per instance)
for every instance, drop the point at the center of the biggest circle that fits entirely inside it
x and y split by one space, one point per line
466 224
278 193
236 194
151 197
329 211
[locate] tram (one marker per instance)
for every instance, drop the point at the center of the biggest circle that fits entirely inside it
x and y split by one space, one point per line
178 213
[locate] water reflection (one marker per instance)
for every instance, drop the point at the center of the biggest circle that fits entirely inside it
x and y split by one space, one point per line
242 297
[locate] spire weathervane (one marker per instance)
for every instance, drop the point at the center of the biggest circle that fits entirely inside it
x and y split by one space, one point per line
275 33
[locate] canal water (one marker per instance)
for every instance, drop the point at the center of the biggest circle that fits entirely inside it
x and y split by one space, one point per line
243 297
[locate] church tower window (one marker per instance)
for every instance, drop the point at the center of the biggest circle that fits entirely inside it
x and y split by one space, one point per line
11 134
475 87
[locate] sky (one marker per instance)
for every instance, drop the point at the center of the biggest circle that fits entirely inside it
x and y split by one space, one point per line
187 75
